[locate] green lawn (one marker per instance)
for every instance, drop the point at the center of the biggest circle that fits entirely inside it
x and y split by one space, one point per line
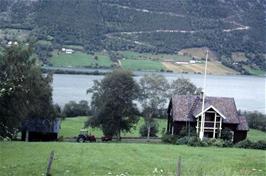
70 127
79 59
253 71
150 56
256 135
147 65
44 42
72 159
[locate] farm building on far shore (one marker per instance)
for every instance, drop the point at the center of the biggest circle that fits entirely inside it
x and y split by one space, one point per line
184 112
40 130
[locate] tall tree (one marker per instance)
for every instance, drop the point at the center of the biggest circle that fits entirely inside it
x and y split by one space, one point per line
112 103
182 86
24 91
153 97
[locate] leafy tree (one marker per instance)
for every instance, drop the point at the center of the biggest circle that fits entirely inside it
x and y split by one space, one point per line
153 129
24 91
256 120
226 134
73 109
183 86
153 98
112 103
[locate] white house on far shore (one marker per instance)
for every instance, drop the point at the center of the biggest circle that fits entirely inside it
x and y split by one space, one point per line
68 51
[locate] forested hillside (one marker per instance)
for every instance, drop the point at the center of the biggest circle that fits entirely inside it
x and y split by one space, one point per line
156 26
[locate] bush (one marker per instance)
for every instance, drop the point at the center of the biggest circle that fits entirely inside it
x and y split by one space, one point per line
226 134
228 143
256 120
183 140
196 142
252 145
244 144
260 145
73 109
144 130
218 143
168 138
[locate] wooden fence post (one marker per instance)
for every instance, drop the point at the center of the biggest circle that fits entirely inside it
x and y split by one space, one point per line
50 161
178 167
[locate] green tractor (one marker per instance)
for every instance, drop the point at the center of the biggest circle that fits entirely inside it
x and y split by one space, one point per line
84 136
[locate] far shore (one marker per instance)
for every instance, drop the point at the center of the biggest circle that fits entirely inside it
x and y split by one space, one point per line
103 71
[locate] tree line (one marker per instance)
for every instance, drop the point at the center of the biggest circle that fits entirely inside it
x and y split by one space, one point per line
25 93
114 101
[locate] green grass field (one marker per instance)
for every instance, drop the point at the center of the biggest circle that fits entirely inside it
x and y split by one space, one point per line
256 135
71 126
79 59
147 65
256 72
150 56
72 159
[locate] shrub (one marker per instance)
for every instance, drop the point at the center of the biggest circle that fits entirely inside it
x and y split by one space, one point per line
60 139
168 138
228 143
196 142
144 130
244 144
252 145
256 120
215 142
226 134
260 145
73 109
183 140
218 143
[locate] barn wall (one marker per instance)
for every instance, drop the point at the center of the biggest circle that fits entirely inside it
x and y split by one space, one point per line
178 126
240 136
39 136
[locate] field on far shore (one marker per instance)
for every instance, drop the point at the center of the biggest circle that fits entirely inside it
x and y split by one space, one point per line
101 159
140 61
80 59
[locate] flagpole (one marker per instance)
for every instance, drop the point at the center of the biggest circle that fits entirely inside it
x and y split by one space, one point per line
201 134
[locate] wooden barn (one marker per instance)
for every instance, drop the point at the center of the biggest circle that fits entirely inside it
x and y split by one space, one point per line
40 130
184 112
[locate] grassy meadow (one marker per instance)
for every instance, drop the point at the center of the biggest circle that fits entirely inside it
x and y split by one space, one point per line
124 159
79 59
26 159
70 127
137 61
147 65
256 135
150 56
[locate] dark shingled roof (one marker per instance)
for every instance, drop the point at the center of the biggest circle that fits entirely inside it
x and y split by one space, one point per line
186 107
41 125
243 125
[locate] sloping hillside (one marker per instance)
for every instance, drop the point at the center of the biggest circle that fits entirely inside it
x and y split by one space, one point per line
161 26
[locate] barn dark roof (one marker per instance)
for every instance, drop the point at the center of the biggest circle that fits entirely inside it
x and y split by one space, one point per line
243 125
41 125
187 107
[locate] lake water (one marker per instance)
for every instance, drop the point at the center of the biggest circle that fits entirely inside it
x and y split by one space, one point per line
249 91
